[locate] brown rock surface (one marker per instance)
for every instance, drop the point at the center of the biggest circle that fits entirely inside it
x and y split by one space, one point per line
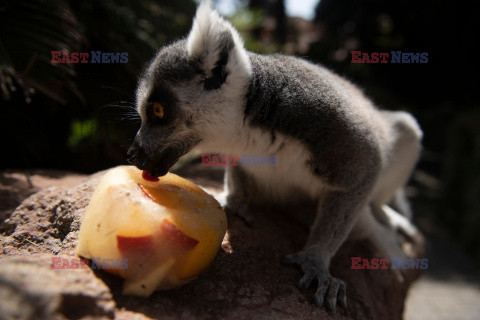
248 283
31 289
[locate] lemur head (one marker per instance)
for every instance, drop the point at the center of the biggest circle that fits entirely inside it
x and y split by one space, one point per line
191 91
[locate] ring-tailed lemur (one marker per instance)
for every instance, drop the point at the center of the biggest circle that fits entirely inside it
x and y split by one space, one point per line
333 145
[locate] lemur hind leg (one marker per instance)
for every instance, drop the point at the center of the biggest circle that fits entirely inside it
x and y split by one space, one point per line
389 204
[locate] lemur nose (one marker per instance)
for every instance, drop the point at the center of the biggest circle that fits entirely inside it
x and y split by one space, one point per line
131 157
133 154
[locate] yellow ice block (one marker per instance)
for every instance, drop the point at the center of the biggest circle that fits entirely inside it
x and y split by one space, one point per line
156 235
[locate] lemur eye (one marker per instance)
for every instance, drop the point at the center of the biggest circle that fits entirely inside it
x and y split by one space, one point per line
158 110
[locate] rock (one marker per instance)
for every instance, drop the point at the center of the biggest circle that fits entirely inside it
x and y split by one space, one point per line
31 289
47 221
248 283
16 186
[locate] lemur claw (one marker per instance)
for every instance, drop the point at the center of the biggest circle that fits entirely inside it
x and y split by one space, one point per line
330 291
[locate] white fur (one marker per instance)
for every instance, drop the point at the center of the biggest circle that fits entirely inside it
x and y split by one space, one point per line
277 182
399 222
202 41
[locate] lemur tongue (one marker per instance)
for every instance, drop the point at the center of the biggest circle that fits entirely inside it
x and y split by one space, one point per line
147 175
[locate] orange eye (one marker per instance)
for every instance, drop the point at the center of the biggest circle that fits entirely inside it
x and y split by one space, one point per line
158 110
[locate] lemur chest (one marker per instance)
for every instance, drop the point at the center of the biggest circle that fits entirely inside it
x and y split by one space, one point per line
284 167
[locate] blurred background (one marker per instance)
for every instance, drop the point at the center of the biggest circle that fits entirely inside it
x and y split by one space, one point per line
79 117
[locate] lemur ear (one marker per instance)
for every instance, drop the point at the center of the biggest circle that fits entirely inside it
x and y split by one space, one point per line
216 45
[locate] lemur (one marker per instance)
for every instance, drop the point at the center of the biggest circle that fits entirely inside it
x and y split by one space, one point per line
208 92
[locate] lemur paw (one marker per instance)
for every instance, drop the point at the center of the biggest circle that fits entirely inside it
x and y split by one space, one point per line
330 292
233 206
242 212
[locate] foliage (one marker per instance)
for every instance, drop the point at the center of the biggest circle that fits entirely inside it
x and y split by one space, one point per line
45 104
29 31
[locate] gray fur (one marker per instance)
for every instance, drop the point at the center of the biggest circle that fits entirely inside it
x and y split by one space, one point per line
334 146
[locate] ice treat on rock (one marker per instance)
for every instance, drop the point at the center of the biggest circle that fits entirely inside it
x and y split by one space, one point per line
167 230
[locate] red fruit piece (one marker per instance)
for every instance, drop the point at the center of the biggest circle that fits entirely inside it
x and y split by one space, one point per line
146 175
141 254
176 237
135 244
